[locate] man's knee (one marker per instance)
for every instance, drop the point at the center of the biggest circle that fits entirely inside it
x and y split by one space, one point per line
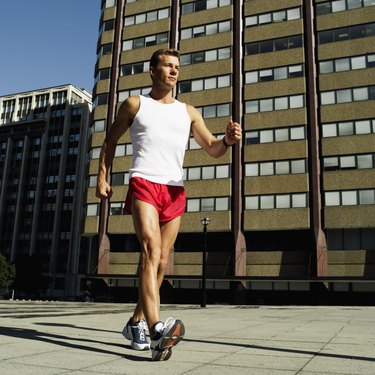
151 258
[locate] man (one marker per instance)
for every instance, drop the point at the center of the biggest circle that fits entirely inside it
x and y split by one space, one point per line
159 127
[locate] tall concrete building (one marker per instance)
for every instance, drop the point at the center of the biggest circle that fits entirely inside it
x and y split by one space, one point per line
296 200
43 157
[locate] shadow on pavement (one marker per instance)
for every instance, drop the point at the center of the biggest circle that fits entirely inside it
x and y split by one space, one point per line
284 350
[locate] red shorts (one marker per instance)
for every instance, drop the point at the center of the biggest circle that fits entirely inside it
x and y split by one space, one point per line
169 201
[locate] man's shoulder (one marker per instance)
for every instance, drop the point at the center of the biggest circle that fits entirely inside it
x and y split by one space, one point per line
130 106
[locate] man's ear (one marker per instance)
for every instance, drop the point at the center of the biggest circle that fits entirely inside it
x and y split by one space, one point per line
151 71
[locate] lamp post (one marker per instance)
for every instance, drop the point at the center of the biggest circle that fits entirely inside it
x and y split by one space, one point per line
205 221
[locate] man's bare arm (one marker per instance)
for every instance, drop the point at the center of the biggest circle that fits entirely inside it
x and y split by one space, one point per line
124 119
213 146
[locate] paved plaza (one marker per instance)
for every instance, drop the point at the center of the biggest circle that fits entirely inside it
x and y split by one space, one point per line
85 338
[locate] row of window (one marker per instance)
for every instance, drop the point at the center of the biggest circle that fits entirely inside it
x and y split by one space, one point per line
276 16
154 15
346 33
187 59
145 41
192 205
207 172
271 168
208 204
134 68
274 45
213 111
356 127
206 56
272 201
126 149
209 29
340 5
274 74
349 197
199 5
347 63
347 95
204 84
274 104
122 95
335 163
275 135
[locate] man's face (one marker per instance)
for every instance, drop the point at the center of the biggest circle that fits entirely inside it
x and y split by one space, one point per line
166 72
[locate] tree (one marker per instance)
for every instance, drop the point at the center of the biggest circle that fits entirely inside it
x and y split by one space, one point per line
7 273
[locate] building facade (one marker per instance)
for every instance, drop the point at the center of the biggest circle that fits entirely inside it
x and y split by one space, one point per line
43 157
296 200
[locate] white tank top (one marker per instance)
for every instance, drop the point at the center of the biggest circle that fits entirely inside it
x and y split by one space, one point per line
159 134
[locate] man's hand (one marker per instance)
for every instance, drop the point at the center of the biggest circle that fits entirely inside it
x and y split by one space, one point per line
233 133
103 190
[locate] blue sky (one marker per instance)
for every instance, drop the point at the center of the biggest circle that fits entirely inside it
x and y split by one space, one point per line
46 43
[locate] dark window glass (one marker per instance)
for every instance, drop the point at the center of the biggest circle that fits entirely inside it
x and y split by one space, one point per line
198 57
126 69
357 32
252 48
266 46
370 29
295 41
281 44
200 5
185 86
138 68
324 8
372 92
325 37
340 34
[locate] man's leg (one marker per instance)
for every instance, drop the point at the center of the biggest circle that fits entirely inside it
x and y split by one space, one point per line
169 232
146 224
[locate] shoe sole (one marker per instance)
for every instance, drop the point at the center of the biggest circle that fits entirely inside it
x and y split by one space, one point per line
174 335
171 338
140 347
163 355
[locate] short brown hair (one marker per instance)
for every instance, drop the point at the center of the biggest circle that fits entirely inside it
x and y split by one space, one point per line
155 58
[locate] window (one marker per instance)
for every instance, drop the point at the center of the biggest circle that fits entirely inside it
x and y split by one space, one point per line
92 210
208 204
203 30
274 104
346 33
147 17
204 84
207 172
145 41
101 99
278 135
273 74
134 68
199 5
277 16
360 161
273 45
347 95
350 197
270 168
278 201
341 5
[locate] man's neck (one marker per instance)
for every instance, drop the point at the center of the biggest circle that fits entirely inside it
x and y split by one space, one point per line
164 97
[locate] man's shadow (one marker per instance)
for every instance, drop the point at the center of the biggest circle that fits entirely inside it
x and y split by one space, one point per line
31 334
62 340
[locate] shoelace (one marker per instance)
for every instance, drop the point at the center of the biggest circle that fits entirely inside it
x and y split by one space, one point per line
142 330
